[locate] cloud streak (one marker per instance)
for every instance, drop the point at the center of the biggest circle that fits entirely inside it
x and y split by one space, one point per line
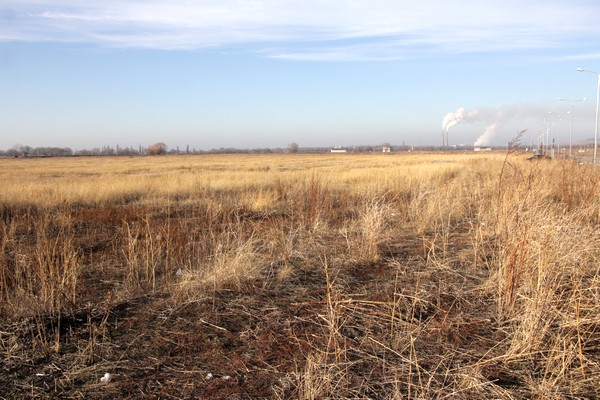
307 30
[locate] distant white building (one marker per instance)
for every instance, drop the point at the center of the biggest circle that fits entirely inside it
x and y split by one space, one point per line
386 149
338 150
480 148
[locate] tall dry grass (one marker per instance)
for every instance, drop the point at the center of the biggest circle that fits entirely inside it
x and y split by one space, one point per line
40 264
494 259
546 264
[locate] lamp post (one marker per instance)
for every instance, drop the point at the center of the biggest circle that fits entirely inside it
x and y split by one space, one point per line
553 124
597 109
571 128
547 124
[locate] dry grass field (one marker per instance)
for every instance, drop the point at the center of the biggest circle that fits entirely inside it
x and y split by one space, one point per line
336 276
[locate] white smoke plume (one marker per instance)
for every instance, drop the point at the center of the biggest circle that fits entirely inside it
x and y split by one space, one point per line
486 138
498 124
495 119
455 117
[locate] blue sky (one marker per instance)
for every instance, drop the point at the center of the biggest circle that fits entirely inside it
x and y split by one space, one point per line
252 74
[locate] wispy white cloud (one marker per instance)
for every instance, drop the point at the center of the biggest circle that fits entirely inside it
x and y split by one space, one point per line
309 29
590 56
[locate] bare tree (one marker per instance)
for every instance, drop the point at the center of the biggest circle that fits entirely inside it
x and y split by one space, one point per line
293 147
157 149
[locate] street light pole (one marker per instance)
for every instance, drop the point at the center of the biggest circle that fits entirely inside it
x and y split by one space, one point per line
571 127
558 138
548 124
571 131
557 124
597 110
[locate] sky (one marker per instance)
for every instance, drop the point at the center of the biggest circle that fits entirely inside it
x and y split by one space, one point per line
266 73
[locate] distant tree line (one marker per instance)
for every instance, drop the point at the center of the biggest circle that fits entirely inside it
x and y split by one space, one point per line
26 151
160 148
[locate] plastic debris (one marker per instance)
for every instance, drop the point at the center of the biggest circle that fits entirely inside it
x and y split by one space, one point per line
208 376
106 378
